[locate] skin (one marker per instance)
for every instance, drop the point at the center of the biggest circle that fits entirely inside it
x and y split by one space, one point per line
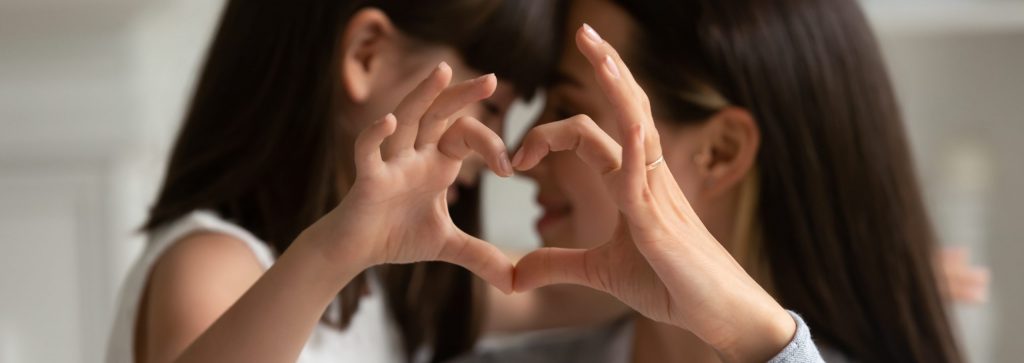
208 299
659 239
710 161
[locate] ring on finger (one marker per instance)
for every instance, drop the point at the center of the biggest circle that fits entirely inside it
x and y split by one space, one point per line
655 164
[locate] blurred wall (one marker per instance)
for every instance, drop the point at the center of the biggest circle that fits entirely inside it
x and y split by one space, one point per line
91 92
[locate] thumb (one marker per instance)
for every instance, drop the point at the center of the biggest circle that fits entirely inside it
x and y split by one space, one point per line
549 266
480 258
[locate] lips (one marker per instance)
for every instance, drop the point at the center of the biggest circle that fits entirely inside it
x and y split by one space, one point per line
553 211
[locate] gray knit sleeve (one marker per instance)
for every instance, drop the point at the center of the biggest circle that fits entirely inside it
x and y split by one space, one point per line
801 349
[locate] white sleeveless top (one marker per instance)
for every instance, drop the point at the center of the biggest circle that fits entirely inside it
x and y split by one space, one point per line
372 335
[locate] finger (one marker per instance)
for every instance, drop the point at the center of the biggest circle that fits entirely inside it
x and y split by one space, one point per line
467 135
550 266
638 202
367 145
411 109
970 286
578 133
954 256
616 81
480 258
453 99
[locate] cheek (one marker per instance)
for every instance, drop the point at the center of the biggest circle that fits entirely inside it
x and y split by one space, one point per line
594 214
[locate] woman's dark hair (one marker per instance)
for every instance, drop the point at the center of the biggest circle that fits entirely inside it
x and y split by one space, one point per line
260 143
844 230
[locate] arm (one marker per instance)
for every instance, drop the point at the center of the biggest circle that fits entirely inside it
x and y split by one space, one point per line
395 212
195 281
202 308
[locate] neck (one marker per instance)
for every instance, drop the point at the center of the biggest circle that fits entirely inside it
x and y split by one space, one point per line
657 342
733 220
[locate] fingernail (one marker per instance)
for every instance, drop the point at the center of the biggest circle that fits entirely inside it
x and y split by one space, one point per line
591 33
518 158
612 67
443 65
484 77
506 166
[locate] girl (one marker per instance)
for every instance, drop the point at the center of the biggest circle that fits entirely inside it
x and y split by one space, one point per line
234 272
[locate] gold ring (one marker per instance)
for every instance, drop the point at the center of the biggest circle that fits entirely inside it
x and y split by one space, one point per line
656 163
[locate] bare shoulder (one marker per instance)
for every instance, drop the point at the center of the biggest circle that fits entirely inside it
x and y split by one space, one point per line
208 254
191 285
205 268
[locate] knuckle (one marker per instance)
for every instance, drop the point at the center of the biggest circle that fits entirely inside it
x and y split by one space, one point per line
581 119
646 196
495 144
434 115
581 123
645 100
464 121
636 130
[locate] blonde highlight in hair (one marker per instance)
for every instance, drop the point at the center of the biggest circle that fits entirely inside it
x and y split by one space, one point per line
747 242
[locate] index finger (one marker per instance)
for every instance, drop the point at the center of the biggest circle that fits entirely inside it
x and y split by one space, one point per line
623 92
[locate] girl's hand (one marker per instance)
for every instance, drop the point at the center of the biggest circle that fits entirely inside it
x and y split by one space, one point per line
662 261
396 211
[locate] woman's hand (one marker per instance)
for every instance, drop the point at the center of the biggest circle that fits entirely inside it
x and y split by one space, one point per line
396 211
661 261
960 281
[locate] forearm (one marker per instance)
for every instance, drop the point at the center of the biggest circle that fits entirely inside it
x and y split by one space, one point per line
272 321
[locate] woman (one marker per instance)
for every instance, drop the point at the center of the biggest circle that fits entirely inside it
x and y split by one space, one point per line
777 121
266 151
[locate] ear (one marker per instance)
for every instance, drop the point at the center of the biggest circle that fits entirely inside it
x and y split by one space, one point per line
731 139
364 44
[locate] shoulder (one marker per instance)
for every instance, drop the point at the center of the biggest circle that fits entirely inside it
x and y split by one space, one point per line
192 282
213 257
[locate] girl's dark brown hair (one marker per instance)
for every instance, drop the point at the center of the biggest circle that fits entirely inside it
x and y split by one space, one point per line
259 144
843 227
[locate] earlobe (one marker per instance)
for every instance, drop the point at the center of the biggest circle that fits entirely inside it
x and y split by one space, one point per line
363 45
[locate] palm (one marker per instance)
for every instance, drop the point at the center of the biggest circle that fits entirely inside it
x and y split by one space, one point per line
619 269
416 211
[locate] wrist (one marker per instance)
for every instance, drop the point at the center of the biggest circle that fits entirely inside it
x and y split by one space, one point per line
331 253
760 336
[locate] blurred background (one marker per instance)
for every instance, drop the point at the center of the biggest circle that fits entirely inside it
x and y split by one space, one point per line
91 93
